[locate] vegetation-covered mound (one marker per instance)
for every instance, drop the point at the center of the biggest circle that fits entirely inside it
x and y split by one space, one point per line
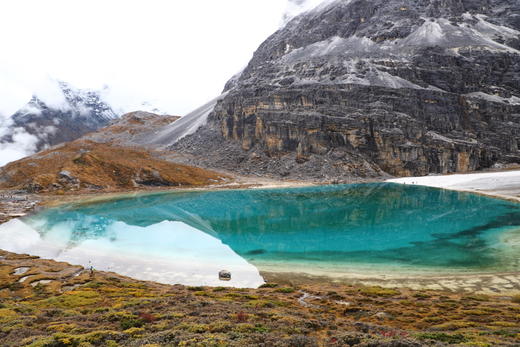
45 303
88 165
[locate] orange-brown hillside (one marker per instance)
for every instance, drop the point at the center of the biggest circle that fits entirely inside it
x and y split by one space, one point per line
88 165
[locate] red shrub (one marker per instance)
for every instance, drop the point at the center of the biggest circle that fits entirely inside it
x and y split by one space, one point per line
147 317
242 317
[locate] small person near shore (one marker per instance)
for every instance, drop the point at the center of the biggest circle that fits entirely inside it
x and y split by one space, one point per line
90 268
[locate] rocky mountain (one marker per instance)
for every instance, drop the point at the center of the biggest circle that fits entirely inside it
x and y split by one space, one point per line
77 113
134 129
364 88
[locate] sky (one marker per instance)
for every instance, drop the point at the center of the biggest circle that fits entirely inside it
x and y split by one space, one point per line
175 55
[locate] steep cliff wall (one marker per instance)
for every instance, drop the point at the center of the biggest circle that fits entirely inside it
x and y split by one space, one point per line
371 87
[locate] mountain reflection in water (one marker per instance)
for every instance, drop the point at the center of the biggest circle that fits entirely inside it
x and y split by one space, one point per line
339 227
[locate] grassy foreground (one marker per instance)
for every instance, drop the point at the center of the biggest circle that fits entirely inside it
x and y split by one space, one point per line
45 303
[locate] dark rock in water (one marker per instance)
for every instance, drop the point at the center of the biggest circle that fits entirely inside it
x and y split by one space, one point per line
358 88
224 275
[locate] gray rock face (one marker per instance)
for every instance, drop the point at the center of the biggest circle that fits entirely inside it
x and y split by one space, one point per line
363 88
82 112
135 129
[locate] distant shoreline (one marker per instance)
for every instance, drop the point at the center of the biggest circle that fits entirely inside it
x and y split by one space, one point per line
503 185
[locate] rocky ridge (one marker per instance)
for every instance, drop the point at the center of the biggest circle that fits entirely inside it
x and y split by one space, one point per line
359 88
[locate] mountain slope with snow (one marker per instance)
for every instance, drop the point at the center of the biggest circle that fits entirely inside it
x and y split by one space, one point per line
364 88
82 111
63 115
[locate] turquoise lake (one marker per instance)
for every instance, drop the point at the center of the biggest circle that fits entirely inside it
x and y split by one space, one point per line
186 237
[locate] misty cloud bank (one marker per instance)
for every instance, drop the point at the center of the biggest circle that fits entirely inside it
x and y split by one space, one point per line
22 145
16 142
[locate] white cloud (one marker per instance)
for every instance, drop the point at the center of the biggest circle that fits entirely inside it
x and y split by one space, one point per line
177 54
15 87
22 144
49 91
15 92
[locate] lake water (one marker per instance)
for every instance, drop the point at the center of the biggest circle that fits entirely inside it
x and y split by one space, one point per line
188 237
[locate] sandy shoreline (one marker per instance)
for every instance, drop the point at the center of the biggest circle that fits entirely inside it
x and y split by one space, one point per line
50 200
502 184
489 284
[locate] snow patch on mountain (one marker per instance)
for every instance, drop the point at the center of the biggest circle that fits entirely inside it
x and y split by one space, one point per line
57 112
513 100
433 32
185 126
493 30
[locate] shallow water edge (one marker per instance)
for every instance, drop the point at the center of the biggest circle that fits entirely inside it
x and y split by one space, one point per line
448 279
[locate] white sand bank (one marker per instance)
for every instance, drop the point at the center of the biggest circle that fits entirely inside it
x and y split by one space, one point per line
500 184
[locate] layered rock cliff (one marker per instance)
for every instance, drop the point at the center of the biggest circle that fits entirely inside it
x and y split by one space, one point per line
368 87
